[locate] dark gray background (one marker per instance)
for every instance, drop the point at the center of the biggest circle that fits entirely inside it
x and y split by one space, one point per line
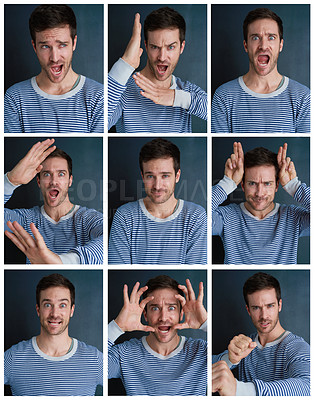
124 176
229 59
192 65
20 61
87 170
116 281
230 317
298 150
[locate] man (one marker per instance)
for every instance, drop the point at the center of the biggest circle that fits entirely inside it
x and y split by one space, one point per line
159 229
59 232
53 363
154 100
263 100
272 362
162 363
58 99
260 231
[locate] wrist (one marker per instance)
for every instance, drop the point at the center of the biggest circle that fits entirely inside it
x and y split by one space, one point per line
12 179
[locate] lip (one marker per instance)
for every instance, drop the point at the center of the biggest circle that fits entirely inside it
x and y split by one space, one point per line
164 329
53 193
56 69
161 69
263 64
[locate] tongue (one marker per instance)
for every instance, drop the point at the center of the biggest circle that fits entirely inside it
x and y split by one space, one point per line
263 59
162 68
54 193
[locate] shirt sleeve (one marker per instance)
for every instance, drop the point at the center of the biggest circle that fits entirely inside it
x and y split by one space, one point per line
7 366
303 120
197 243
219 115
11 215
119 248
12 123
97 122
199 102
114 332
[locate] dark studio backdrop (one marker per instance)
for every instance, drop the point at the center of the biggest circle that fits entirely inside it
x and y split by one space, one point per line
87 171
192 65
230 317
116 281
229 59
20 318
20 60
298 150
124 175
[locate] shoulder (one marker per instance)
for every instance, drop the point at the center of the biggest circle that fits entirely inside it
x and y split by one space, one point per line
93 84
195 345
228 87
19 87
193 207
129 208
298 87
20 347
131 345
185 85
294 344
85 212
89 350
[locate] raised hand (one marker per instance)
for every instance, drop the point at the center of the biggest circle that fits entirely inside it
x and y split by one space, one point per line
195 313
234 166
240 346
164 97
133 51
287 169
30 165
35 248
129 318
223 380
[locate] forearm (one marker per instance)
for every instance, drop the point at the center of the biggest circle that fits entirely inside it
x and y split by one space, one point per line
8 188
285 387
91 253
113 352
299 191
119 247
219 116
198 103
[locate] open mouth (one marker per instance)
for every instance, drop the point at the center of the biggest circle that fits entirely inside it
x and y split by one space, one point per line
54 323
263 59
162 69
56 69
53 194
164 329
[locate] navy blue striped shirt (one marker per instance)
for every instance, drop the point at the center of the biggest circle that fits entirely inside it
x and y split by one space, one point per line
237 109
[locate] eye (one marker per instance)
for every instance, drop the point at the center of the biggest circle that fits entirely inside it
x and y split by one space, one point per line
63 45
44 46
172 308
154 308
255 37
63 305
267 183
272 37
172 47
165 176
270 305
251 183
46 173
46 305
62 174
153 47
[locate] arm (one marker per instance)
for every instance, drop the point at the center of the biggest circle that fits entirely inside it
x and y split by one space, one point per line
219 115
12 123
97 123
303 119
119 248
197 243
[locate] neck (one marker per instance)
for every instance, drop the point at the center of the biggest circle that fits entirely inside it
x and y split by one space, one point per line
262 84
162 210
162 348
259 214
60 211
54 345
49 87
265 338
166 84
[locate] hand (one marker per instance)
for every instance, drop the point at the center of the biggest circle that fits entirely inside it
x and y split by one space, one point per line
287 170
223 380
195 313
30 165
129 318
34 249
133 51
164 97
240 346
234 166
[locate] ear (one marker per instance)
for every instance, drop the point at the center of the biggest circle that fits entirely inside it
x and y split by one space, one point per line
242 185
247 310
277 187
37 309
72 310
34 46
70 180
74 42
145 315
37 180
281 45
245 46
146 47
280 305
142 176
182 46
177 176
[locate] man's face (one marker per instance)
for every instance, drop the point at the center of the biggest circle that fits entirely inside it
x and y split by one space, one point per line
159 179
163 50
260 188
263 308
54 49
263 45
54 181
163 312
55 310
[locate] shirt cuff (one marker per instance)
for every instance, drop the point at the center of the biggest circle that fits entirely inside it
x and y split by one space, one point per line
114 331
227 184
70 258
204 326
292 186
245 389
225 358
8 186
182 99
121 71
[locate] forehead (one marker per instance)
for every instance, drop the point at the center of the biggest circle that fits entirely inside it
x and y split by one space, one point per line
265 173
161 36
267 25
159 164
55 293
61 33
163 295
265 296
55 163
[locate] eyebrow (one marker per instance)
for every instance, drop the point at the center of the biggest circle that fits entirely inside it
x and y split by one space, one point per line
161 173
60 300
58 41
268 304
171 44
58 170
168 304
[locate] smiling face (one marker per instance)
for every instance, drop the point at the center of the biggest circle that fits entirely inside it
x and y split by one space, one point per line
163 50
263 46
162 313
54 49
55 310
263 308
54 181
260 187
159 179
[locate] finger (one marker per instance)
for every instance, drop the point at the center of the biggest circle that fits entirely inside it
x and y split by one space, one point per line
240 151
43 146
279 155
201 293
181 299
287 161
184 289
234 160
13 226
284 152
145 301
15 240
228 164
140 293
134 292
136 31
146 328
38 237
28 239
125 295
191 292
183 325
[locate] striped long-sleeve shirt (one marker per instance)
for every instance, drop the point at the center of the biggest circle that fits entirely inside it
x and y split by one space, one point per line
137 237
237 109
271 240
77 237
28 109
30 372
133 113
145 372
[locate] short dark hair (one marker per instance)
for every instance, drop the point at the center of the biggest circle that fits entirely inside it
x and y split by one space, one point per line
261 13
159 148
261 156
260 281
164 18
48 16
58 153
54 280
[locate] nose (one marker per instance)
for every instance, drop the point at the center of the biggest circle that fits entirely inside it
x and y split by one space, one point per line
162 54
157 183
163 314
263 43
53 179
54 54
263 313
259 189
53 312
